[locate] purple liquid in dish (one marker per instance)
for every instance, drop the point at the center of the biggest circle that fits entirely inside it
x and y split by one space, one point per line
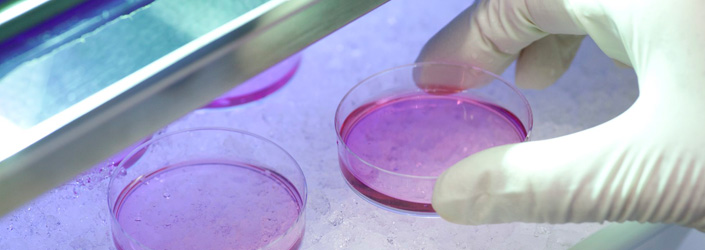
400 145
259 86
210 206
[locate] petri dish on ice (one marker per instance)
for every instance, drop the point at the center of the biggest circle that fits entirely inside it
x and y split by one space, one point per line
398 130
207 188
259 86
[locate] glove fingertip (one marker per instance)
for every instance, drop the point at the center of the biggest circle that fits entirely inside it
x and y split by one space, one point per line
446 203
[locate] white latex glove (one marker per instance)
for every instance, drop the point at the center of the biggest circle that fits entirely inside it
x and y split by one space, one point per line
646 165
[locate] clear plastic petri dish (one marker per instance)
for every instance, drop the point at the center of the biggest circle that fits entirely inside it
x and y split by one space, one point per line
399 129
207 188
115 159
259 86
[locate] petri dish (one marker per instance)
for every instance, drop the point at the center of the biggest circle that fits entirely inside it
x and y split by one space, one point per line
399 129
255 88
207 188
117 158
259 86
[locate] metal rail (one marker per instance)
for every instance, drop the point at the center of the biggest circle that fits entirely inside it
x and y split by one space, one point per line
79 136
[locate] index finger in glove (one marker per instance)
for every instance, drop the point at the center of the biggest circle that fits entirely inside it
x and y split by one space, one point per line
491 34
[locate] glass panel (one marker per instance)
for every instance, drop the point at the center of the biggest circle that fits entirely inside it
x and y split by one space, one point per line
89 55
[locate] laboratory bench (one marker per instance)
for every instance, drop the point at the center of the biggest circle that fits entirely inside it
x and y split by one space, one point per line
148 71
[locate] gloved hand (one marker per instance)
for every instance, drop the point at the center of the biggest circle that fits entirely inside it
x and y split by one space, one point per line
646 165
